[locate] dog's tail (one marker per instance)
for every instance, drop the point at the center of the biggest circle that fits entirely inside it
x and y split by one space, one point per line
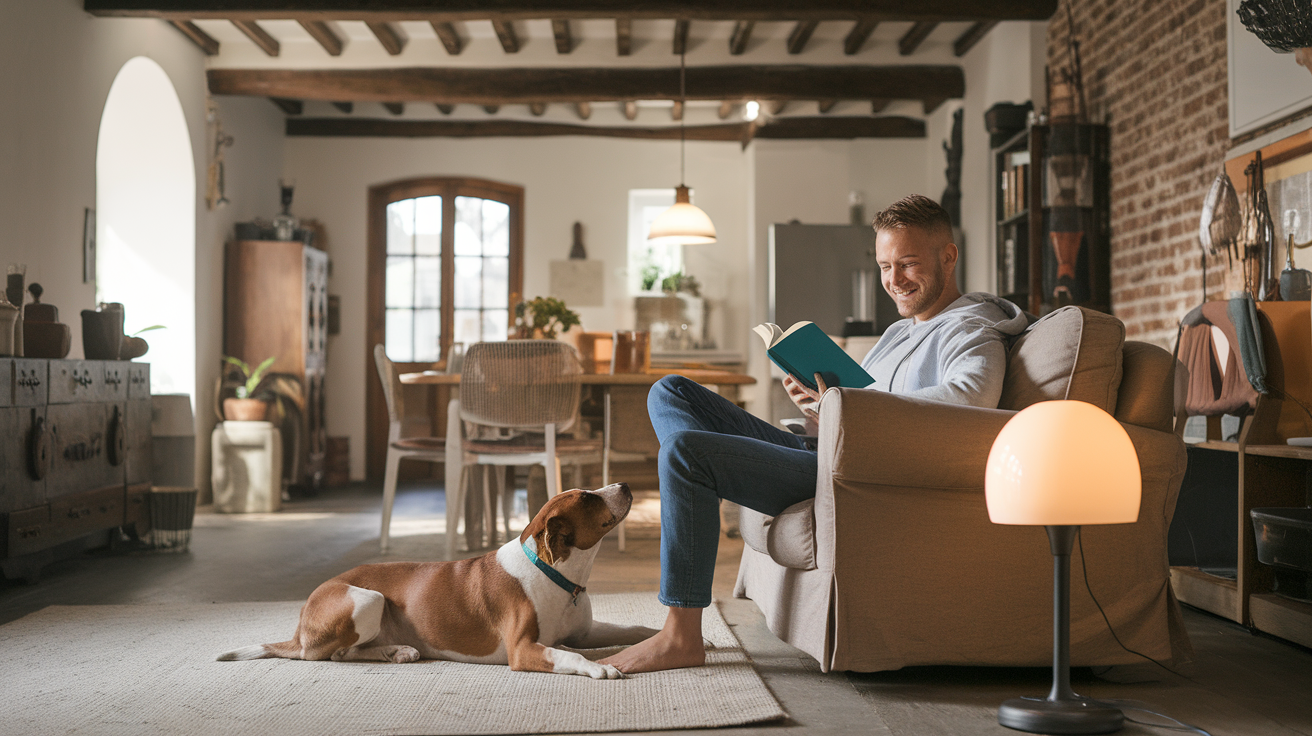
285 649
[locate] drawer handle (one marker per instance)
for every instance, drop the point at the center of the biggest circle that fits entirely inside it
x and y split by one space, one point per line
29 381
78 513
27 532
82 380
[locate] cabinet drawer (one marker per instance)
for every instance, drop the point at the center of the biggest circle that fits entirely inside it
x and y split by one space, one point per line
83 513
28 531
138 380
110 379
72 381
20 487
84 446
31 382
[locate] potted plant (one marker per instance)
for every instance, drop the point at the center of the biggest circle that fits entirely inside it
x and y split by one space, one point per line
543 316
245 407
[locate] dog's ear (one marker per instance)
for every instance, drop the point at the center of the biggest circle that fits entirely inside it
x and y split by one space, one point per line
557 539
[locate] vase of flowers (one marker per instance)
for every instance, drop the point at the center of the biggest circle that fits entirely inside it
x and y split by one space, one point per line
542 317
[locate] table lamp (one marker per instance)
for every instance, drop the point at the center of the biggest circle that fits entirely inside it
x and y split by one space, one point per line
1062 464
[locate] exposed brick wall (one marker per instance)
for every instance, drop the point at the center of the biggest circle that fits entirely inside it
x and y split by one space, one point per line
1157 70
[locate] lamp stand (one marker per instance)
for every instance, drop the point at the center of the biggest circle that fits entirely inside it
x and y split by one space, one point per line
1063 711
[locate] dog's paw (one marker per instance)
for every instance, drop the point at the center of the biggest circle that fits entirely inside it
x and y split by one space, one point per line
403 654
606 672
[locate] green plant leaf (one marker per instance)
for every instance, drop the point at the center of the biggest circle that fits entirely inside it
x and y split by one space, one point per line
245 369
148 329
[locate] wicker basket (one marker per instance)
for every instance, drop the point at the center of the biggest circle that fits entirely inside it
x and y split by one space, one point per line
172 511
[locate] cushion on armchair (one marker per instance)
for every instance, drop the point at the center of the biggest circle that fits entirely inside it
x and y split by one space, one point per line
788 538
1071 353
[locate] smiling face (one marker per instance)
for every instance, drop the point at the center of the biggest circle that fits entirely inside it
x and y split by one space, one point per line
917 268
577 519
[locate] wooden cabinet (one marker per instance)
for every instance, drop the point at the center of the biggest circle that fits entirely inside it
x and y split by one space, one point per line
276 304
76 435
1269 472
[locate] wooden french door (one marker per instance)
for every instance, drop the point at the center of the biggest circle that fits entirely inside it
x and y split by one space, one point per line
445 265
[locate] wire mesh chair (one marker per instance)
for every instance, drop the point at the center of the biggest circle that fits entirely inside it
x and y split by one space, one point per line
531 386
427 449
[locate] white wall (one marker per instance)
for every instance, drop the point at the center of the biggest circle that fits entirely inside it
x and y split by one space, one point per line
57 66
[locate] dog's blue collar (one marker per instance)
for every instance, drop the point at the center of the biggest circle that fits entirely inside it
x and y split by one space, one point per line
553 574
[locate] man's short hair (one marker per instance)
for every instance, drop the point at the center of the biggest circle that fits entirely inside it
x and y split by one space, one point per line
915 210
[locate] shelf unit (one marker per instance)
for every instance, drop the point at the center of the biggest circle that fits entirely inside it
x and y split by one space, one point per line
1270 473
1016 231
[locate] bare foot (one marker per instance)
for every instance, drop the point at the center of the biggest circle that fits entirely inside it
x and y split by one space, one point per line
678 644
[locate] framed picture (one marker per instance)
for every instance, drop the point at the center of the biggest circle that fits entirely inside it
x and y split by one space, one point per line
88 246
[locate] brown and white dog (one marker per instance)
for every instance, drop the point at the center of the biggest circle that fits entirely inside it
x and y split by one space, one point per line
511 606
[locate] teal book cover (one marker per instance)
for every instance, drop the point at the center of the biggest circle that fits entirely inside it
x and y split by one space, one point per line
804 350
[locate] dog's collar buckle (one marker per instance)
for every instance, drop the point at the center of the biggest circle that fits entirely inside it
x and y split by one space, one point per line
554 575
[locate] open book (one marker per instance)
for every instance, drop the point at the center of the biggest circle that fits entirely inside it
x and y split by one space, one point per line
804 350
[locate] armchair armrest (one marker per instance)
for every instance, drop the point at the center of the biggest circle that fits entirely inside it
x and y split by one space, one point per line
878 437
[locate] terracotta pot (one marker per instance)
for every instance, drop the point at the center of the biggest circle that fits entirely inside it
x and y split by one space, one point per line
245 410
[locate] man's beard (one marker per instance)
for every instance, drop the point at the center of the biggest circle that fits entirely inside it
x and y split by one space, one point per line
927 295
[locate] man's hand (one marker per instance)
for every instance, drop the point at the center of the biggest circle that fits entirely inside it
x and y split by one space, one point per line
807 400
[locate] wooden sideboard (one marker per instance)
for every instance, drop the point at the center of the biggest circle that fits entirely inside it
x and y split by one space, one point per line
76 454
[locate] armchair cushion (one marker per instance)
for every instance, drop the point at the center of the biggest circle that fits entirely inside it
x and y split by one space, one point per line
1071 353
788 538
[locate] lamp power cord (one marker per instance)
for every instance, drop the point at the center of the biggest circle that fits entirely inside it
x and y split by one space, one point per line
1133 705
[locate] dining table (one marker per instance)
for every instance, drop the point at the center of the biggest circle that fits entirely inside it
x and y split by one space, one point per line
724 382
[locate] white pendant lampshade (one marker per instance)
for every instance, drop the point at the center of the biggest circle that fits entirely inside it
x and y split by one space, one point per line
1062 463
682 224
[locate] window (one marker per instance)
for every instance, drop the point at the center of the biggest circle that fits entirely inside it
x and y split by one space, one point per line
649 263
445 264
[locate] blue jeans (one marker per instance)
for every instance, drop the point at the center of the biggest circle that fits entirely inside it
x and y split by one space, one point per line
713 450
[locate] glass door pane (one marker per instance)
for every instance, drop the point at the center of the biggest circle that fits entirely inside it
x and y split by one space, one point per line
413 280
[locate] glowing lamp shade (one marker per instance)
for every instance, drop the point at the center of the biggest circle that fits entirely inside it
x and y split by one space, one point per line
1062 463
682 224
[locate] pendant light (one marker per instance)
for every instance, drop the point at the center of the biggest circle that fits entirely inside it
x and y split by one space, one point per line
683 223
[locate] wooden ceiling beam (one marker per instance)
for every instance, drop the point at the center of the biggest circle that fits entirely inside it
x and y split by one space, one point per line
742 33
291 107
826 105
676 111
564 39
630 110
268 44
491 109
205 41
930 104
878 106
917 34
584 110
462 10
681 35
586 84
624 36
446 109
388 37
784 128
971 37
446 33
346 107
860 33
726 109
320 32
506 35
537 108
800 35
776 107
396 108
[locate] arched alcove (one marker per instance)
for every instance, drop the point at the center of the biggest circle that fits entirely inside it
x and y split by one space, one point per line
146 219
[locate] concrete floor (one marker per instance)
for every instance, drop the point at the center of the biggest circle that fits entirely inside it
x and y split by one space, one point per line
1239 683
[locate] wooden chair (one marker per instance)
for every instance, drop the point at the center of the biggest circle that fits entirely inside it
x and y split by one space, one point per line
427 449
532 388
630 436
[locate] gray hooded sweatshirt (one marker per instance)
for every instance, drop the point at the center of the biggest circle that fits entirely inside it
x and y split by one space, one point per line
959 356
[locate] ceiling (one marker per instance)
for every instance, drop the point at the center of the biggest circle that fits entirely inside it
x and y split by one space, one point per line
819 69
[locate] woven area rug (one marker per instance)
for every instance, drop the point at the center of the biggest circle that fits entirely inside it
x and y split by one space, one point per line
151 670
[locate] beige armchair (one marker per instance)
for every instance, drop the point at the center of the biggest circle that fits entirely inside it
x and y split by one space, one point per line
896 563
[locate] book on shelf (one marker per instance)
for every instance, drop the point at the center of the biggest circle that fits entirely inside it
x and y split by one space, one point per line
804 350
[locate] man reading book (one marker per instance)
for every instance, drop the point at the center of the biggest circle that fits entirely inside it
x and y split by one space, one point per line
950 347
